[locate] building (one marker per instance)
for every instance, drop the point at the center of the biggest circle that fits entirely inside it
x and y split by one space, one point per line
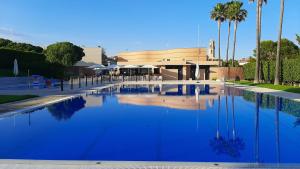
173 64
93 56
243 61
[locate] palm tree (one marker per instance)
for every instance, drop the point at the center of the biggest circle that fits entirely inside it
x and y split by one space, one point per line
218 14
278 59
239 16
229 15
259 4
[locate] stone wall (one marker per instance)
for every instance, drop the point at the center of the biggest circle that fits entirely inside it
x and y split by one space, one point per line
228 73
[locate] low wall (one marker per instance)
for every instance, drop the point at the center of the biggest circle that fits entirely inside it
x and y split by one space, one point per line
228 73
169 74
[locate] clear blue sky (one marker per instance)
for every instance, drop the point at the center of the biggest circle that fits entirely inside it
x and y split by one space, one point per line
120 25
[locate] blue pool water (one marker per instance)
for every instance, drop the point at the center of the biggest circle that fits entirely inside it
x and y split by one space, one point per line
158 123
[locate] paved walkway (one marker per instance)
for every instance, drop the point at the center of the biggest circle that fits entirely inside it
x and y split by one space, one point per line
278 93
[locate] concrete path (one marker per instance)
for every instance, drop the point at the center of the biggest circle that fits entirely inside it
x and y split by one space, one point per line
278 93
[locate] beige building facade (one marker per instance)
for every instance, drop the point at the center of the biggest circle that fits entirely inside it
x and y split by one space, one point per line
173 64
93 56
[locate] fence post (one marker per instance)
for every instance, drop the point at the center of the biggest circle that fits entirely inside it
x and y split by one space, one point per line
97 80
86 79
71 83
61 85
92 80
79 82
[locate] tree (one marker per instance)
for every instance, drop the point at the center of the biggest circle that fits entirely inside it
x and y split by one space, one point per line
239 16
288 49
278 57
298 38
259 4
104 57
268 53
218 14
64 53
229 15
268 50
235 63
8 44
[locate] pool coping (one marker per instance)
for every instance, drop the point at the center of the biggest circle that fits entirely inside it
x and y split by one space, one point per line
138 164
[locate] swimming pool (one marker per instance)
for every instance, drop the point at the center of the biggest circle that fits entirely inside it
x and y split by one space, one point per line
184 123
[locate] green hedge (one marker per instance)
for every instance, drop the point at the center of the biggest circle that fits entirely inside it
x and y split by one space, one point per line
35 62
249 71
290 70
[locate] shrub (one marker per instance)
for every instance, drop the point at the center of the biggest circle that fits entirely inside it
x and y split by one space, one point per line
249 71
35 62
290 70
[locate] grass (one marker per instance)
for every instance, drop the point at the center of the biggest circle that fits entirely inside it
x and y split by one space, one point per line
13 98
286 88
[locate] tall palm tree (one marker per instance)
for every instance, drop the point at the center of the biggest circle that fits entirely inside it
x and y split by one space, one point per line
259 4
239 16
278 59
218 14
229 15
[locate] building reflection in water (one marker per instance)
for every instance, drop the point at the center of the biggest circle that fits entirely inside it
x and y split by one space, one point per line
66 109
187 97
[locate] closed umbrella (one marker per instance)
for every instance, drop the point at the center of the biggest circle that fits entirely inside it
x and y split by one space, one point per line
197 73
16 68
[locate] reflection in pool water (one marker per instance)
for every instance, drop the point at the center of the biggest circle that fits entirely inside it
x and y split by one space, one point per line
65 110
197 123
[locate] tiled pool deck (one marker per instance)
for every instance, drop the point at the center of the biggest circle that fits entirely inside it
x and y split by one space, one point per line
20 164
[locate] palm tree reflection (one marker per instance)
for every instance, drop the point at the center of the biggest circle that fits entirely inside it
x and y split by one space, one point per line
297 122
233 117
65 110
256 146
277 106
230 146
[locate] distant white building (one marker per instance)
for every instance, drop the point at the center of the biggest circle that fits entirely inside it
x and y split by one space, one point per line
243 61
93 56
